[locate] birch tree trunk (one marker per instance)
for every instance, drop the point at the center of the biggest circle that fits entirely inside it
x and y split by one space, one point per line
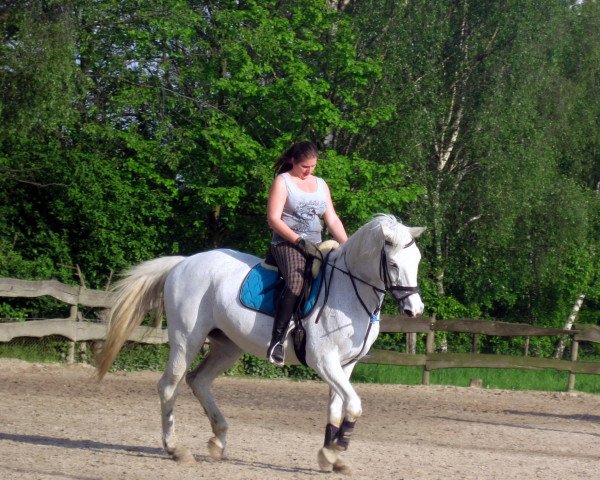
448 162
560 347
339 5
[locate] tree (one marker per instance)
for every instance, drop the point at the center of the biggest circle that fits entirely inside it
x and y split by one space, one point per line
36 81
171 116
473 88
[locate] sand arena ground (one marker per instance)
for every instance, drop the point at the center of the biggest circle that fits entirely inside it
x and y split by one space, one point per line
56 422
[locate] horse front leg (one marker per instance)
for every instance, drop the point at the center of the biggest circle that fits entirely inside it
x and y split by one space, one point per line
328 456
344 410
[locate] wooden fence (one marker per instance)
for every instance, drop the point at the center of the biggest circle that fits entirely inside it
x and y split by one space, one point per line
432 360
78 329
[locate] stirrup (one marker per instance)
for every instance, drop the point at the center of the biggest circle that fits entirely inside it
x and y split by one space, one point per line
275 355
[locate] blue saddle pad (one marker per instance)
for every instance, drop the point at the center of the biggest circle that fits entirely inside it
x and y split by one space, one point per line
258 291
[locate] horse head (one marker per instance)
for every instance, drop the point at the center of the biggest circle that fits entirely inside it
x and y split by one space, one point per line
399 265
386 239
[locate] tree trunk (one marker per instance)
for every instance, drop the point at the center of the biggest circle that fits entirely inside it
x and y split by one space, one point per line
438 229
560 347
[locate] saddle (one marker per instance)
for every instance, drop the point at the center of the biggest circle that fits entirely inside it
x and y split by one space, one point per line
263 285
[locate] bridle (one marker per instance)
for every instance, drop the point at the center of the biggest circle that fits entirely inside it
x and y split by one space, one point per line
384 275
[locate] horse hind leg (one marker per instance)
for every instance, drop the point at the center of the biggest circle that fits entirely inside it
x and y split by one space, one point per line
222 355
168 386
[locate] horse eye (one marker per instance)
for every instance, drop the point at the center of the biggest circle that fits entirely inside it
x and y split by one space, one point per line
394 265
388 243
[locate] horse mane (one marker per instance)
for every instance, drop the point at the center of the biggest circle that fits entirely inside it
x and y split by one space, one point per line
368 239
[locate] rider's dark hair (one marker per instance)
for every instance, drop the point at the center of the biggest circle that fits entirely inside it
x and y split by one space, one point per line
296 153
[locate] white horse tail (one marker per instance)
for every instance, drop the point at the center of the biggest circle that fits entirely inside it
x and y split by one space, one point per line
139 291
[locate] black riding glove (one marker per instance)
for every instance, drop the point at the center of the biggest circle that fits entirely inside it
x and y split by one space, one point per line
309 248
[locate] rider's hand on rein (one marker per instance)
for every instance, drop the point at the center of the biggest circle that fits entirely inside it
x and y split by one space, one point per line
309 248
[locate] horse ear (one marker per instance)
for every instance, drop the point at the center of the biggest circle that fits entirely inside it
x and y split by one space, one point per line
387 233
415 232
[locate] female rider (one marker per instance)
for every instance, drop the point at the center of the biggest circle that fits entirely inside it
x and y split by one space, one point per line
297 201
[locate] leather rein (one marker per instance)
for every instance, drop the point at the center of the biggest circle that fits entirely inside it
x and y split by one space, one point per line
384 275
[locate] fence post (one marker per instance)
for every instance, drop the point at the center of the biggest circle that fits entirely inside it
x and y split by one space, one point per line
475 343
429 348
71 351
74 316
574 352
411 342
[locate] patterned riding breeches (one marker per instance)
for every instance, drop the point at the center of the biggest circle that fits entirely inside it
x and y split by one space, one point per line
292 264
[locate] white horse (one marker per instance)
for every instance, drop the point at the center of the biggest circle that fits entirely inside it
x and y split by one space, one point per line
200 297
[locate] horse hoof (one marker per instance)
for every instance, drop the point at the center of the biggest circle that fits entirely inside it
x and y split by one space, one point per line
341 467
327 459
215 449
182 455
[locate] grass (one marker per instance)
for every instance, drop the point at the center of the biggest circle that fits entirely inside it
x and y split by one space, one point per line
509 379
51 350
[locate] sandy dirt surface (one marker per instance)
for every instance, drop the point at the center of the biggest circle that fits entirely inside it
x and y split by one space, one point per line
56 422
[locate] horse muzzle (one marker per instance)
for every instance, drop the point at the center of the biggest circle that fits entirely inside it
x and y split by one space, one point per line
409 300
412 308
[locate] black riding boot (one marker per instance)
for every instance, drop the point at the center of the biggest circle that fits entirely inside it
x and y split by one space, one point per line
283 314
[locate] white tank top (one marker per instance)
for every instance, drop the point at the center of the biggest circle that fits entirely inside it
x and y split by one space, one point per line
302 211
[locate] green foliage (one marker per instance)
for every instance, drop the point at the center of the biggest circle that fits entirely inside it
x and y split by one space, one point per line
362 188
255 367
160 136
141 357
54 349
386 374
483 114
10 314
391 341
22 309
132 130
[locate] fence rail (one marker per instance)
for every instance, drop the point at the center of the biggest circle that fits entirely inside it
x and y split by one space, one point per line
78 329
12 287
